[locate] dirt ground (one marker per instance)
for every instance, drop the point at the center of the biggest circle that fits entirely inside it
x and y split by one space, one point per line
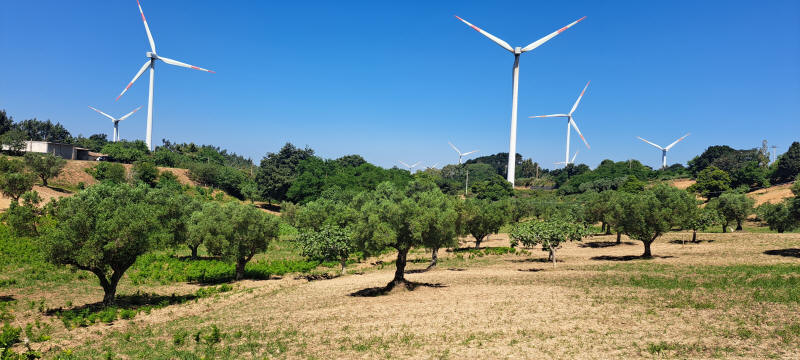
773 194
493 306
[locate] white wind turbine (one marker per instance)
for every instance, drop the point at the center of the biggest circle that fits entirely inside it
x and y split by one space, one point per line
514 85
116 121
151 63
567 163
570 122
410 167
664 149
460 154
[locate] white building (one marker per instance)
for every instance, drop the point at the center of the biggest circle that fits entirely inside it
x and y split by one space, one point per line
66 151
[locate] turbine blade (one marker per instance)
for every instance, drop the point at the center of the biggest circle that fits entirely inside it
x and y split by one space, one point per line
104 114
404 164
579 98
455 148
549 116
543 40
130 113
650 143
497 40
676 141
575 126
178 63
471 152
138 74
574 156
147 28
415 164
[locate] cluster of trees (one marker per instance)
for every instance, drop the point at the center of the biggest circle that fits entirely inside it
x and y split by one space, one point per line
14 134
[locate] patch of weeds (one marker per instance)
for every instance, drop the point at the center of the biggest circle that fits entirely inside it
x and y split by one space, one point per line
661 346
38 331
179 337
789 333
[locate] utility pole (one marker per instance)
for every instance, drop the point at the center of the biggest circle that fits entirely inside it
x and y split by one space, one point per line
466 185
774 153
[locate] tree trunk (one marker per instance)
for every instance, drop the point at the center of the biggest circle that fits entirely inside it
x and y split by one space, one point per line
553 256
240 263
619 237
694 235
399 273
724 228
738 225
194 251
434 258
44 180
109 285
608 228
647 253
343 262
478 241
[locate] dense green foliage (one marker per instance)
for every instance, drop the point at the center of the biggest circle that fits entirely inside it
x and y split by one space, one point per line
126 151
108 171
779 217
14 180
327 244
732 207
278 170
495 188
647 215
146 172
482 218
711 182
788 165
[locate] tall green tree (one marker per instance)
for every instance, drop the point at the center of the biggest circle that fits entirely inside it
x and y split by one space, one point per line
699 219
330 243
711 182
146 172
648 215
278 170
778 216
45 166
102 229
495 188
788 165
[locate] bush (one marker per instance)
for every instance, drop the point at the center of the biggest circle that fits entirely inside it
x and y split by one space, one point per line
146 172
496 188
328 244
127 151
108 171
44 166
778 216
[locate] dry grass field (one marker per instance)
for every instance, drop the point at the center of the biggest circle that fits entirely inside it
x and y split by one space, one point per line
729 296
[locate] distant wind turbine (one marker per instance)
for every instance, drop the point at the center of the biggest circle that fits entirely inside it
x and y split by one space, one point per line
664 149
410 167
460 154
116 121
151 63
567 163
514 85
570 121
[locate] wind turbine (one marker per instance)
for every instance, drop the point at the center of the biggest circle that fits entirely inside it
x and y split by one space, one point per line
151 63
410 167
460 154
116 121
571 122
665 149
512 152
565 163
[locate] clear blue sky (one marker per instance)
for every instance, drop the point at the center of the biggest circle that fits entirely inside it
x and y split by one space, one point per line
397 80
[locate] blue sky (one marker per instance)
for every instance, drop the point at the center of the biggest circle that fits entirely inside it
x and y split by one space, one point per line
396 80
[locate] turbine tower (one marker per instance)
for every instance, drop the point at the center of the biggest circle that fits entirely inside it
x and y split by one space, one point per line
512 150
410 167
151 63
665 149
460 154
116 121
571 122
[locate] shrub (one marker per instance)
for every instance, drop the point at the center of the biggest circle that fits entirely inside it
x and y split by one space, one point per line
146 172
550 234
108 171
327 244
44 166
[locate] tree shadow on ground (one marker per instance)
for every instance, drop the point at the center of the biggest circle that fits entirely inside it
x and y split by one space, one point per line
532 260
6 298
271 207
131 302
189 257
315 277
385 290
604 244
697 242
456 269
628 257
791 252
530 270
470 248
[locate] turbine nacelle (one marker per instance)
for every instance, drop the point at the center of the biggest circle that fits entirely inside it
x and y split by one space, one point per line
151 55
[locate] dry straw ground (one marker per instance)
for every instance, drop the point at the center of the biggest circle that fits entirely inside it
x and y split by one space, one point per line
692 301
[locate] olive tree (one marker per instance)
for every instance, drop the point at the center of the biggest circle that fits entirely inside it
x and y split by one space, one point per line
176 210
45 166
482 218
700 218
647 215
390 217
437 222
102 229
778 216
330 243
24 219
234 231
732 207
615 211
550 234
